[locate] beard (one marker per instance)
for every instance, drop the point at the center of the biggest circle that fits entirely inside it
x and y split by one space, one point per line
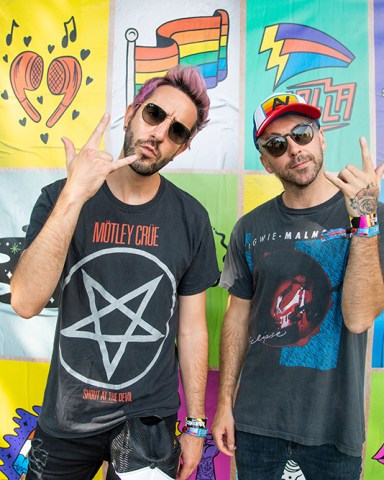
144 165
305 176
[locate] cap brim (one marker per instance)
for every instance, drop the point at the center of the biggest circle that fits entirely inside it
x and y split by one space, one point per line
300 108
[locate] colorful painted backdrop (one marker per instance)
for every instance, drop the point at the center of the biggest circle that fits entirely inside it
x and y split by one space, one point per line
63 64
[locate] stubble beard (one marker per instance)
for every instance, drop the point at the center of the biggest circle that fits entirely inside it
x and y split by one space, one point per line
304 177
144 166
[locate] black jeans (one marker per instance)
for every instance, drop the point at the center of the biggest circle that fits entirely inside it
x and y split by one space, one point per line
52 458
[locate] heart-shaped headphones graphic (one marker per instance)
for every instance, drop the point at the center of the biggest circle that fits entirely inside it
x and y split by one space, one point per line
63 78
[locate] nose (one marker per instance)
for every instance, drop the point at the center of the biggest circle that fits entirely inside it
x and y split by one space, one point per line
160 131
293 147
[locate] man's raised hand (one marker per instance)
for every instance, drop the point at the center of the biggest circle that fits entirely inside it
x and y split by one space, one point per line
361 186
88 169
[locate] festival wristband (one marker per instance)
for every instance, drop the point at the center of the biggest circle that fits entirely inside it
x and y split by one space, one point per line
365 232
196 422
335 233
365 221
196 432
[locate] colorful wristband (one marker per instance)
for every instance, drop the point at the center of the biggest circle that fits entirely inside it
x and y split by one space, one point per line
365 232
196 432
196 422
333 233
365 221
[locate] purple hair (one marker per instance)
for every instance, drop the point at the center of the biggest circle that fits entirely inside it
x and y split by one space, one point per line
187 79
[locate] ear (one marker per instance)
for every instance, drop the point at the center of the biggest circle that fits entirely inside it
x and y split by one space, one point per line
266 164
128 114
322 139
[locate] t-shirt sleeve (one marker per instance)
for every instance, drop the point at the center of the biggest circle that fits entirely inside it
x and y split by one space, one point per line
41 211
203 271
236 276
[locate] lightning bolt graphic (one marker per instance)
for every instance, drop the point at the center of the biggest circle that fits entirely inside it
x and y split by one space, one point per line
276 59
295 49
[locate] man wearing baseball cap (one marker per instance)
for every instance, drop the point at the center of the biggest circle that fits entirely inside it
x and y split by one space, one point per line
305 280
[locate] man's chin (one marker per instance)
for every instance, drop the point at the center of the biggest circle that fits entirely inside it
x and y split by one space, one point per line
147 166
141 169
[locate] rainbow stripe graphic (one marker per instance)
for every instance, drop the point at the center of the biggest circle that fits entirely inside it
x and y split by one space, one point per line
297 48
199 41
269 105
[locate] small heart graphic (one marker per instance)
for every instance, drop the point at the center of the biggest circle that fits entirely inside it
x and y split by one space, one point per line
44 137
84 54
88 80
23 121
75 114
40 100
27 40
4 95
5 58
51 48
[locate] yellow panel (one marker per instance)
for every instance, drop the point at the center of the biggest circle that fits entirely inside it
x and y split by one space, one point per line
259 189
25 139
22 387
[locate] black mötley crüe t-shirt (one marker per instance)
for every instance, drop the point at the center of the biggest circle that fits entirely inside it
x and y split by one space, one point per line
303 376
114 350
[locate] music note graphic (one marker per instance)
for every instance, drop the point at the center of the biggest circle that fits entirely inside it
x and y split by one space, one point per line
72 34
9 37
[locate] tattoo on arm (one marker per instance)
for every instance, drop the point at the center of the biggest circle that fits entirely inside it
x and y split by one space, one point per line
365 201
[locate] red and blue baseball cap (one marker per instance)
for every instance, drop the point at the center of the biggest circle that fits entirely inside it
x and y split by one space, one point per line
279 104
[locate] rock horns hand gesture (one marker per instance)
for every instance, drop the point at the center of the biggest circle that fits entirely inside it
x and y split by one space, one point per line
87 170
361 186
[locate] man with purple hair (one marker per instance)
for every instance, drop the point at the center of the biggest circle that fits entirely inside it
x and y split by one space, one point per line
133 255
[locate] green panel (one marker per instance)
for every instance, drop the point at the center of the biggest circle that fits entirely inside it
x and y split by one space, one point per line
218 193
375 433
323 17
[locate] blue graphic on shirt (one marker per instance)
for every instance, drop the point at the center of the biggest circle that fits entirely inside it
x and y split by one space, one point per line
321 352
248 253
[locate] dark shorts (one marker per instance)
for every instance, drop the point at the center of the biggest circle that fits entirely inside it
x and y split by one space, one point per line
137 444
264 458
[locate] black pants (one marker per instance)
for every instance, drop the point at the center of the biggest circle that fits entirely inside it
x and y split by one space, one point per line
133 445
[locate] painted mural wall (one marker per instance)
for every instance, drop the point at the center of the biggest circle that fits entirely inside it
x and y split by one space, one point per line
64 63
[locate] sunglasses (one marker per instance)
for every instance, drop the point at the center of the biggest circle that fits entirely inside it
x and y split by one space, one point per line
301 134
154 115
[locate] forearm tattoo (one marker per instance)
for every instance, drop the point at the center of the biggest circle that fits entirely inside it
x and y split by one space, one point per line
365 201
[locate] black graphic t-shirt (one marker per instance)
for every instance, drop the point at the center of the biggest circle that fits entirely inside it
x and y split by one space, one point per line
303 376
114 351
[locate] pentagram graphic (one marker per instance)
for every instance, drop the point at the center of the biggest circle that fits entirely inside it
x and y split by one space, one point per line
115 313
